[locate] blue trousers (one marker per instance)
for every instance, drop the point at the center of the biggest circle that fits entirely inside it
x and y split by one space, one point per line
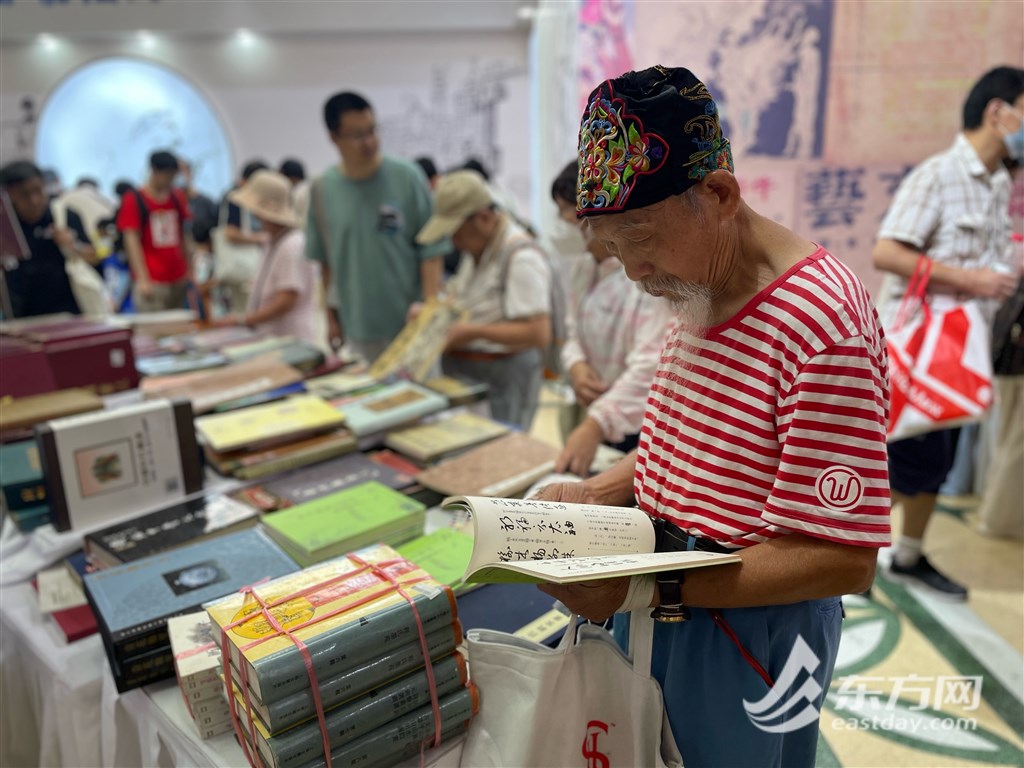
706 680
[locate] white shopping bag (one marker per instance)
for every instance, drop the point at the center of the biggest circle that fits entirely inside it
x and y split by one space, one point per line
580 704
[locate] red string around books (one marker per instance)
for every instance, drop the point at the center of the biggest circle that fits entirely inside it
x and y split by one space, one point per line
390 585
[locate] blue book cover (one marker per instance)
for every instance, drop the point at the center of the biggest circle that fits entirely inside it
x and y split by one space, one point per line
133 601
392 406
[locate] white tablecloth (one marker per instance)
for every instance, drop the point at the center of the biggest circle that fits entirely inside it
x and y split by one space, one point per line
51 690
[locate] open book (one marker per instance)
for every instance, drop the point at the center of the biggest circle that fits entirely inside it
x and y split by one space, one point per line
524 540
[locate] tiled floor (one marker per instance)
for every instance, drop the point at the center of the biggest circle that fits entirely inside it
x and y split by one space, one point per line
920 682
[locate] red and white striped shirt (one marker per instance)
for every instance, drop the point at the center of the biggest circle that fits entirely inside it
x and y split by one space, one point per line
774 422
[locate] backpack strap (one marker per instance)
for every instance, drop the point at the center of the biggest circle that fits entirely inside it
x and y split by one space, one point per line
143 210
511 249
318 200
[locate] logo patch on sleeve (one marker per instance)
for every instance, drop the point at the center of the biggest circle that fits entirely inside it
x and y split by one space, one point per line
839 488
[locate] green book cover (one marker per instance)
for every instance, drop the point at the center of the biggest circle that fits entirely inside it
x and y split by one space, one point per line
444 554
349 515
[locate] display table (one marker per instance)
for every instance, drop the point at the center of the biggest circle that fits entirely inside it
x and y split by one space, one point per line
61 707
60 704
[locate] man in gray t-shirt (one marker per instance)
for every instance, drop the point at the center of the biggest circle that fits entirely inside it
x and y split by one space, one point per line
362 223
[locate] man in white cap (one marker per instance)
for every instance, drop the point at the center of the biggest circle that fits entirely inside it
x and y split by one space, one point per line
504 283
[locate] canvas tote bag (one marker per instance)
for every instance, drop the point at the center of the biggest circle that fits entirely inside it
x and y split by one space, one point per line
940 364
87 286
234 263
584 703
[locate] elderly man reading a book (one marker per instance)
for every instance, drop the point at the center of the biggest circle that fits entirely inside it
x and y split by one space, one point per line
764 433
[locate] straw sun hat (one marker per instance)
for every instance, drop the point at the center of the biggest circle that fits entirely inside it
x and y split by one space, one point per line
267 195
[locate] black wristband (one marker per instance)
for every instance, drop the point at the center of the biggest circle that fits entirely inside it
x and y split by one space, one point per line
670 597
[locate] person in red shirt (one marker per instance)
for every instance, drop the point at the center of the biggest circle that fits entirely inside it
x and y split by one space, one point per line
152 221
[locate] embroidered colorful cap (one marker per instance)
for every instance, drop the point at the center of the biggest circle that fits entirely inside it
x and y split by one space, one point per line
646 136
458 196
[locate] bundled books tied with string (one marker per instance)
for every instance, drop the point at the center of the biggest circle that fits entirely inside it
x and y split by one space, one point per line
349 662
940 364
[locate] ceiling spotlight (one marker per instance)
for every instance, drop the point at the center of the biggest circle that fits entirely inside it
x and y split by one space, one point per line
245 37
146 39
47 41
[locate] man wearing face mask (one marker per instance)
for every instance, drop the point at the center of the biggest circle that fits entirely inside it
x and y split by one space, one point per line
953 208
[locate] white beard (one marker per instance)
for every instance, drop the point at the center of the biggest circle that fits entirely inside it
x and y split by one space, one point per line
692 303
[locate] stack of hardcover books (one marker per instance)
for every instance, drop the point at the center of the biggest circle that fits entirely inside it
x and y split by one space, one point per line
197 663
323 479
447 435
391 406
133 602
266 439
366 644
347 520
211 388
173 526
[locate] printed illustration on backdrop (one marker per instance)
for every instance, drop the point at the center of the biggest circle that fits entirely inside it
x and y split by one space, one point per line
123 110
764 61
605 44
458 116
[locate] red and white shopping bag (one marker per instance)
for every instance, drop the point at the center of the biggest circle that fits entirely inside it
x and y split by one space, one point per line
940 364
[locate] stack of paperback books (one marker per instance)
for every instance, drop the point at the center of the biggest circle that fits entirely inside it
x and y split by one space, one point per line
367 651
197 663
